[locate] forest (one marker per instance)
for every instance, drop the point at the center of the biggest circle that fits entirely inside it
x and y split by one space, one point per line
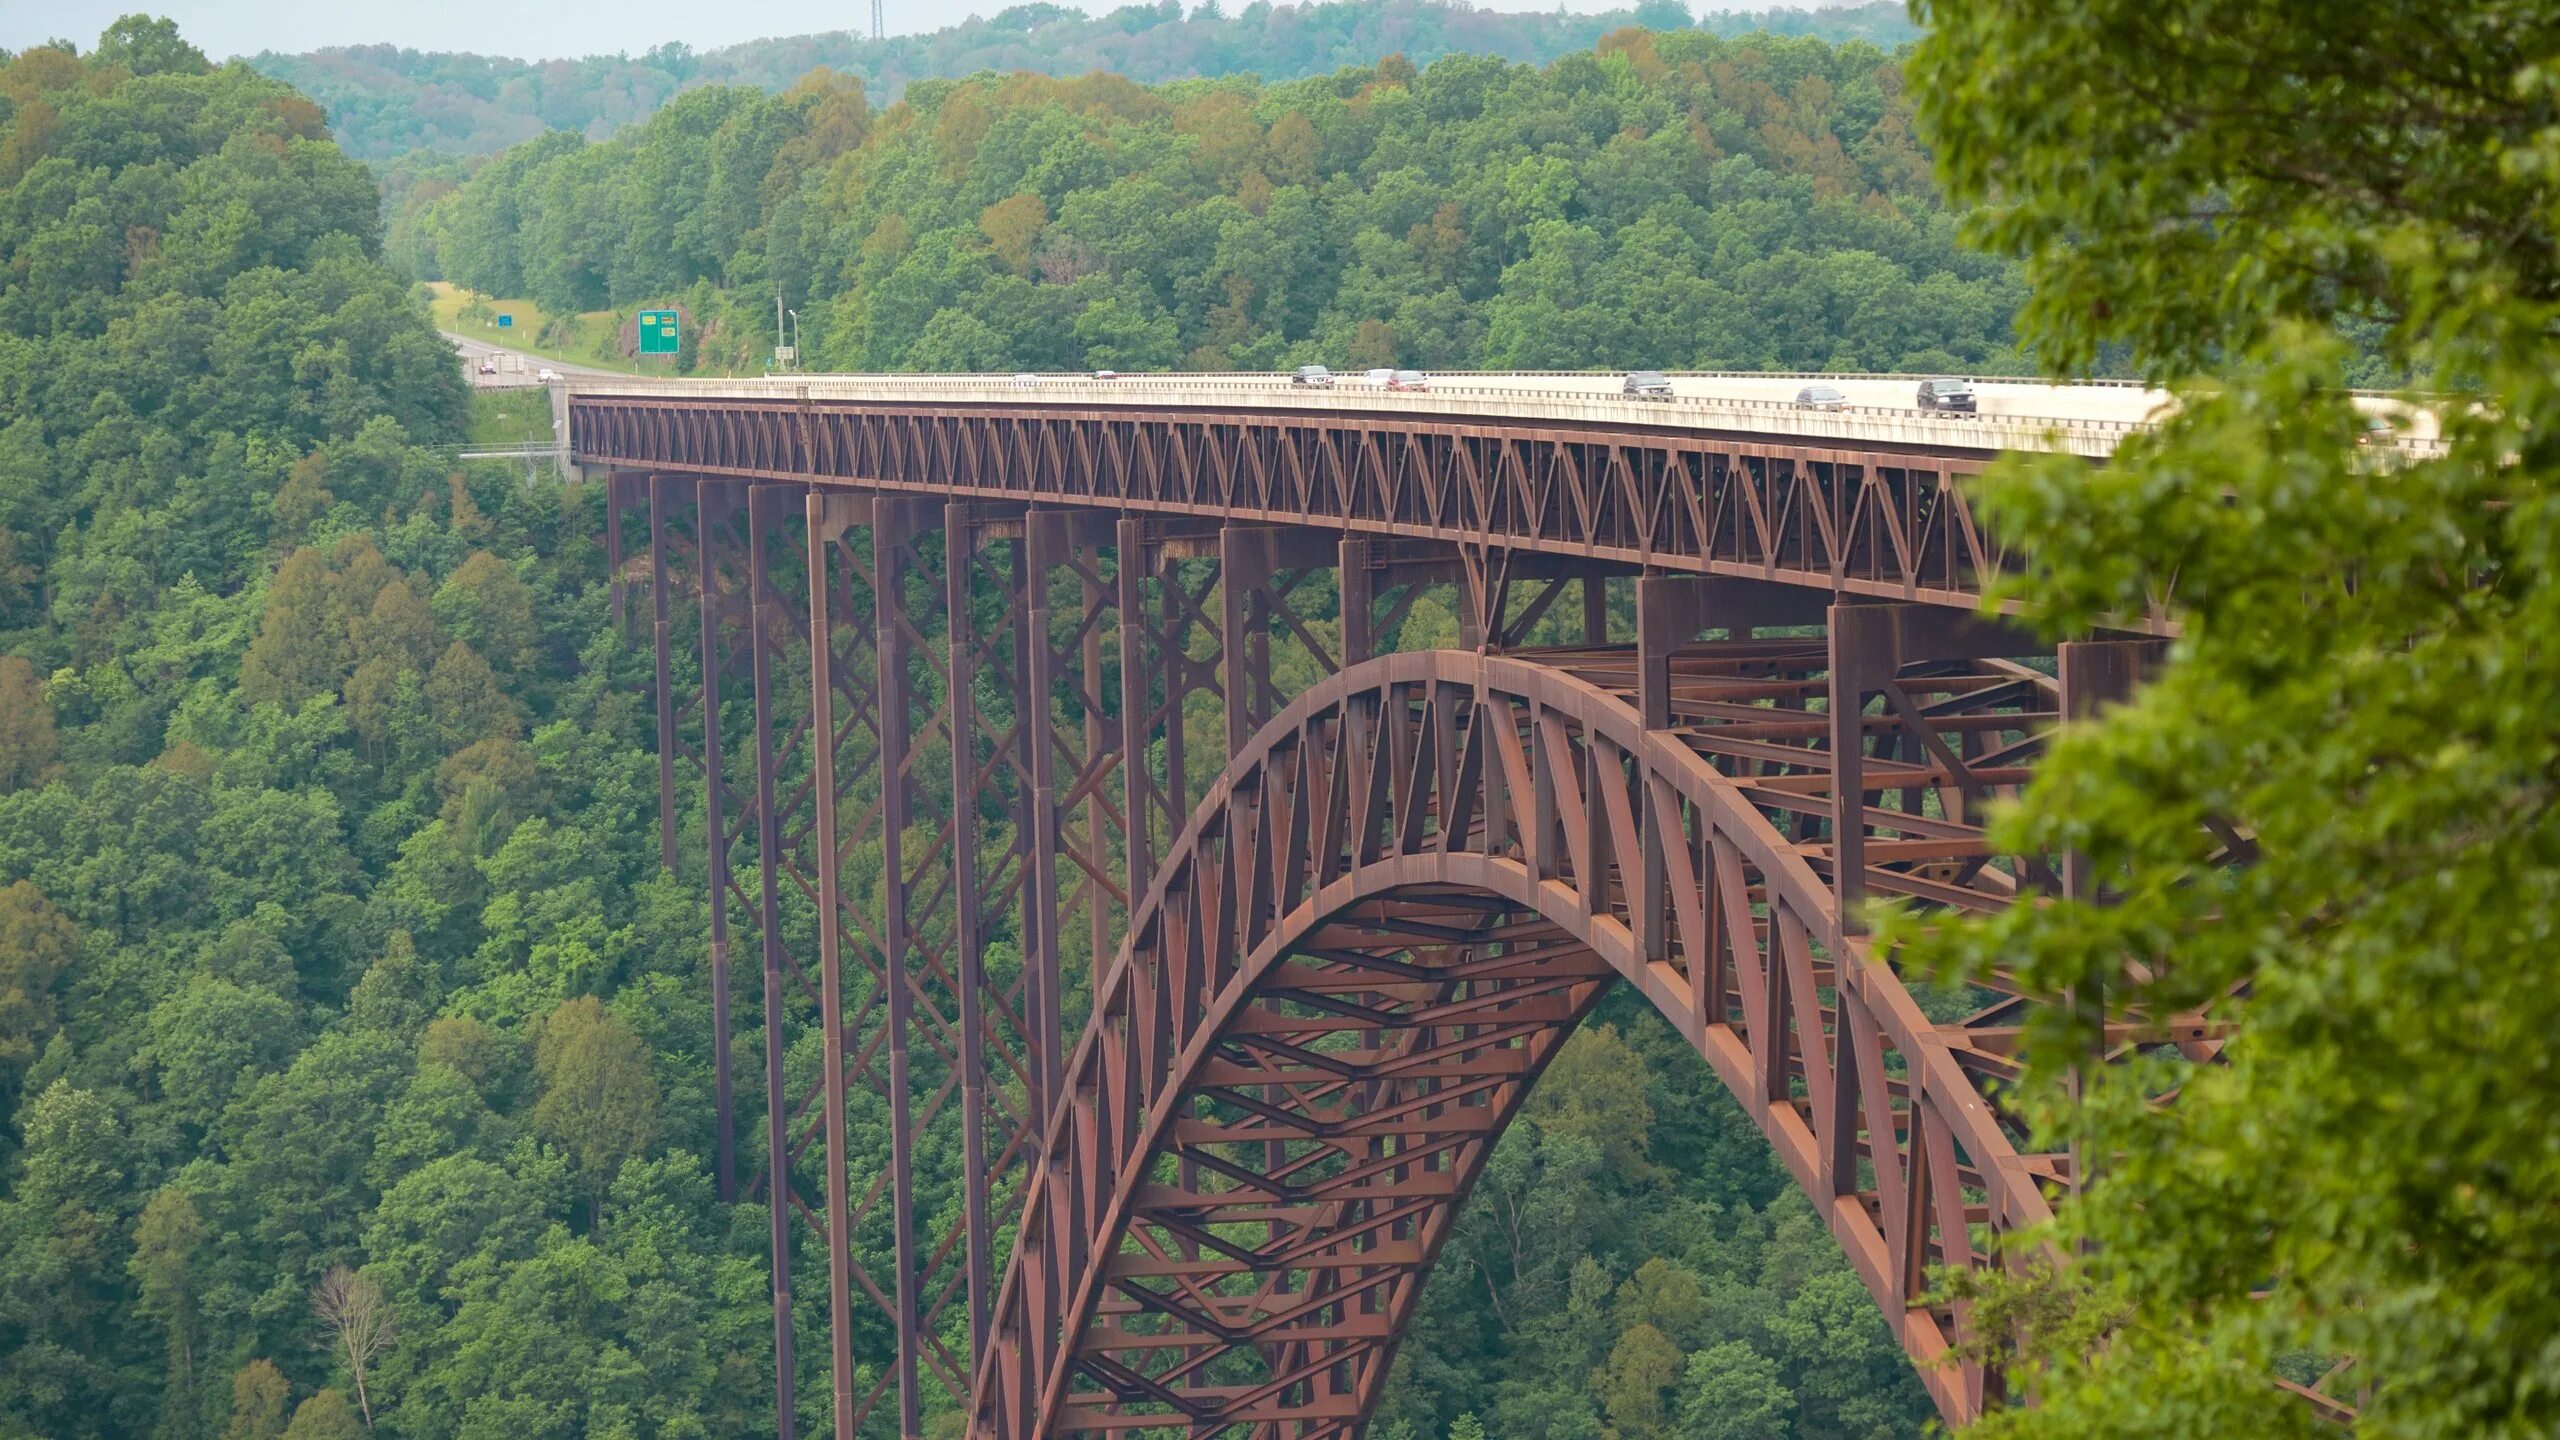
1668 199
355 1065
385 102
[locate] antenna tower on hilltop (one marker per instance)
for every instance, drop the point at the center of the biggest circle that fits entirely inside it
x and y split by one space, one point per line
879 31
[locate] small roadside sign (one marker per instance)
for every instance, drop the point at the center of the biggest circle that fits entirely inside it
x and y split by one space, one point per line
506 322
658 332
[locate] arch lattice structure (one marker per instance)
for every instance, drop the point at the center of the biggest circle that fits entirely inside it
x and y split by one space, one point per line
1382 922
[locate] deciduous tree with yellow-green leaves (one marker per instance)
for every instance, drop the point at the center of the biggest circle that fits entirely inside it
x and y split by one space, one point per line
2259 201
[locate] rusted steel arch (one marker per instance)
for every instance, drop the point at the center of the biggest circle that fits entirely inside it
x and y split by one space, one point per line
1377 927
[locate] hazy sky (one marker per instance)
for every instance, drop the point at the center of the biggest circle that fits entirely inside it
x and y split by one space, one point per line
534 29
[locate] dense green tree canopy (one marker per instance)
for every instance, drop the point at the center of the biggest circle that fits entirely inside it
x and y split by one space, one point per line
335 954
2261 199
1668 199
384 102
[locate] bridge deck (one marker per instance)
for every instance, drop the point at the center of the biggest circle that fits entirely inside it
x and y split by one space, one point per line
2083 419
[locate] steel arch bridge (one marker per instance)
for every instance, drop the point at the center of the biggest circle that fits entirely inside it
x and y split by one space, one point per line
1277 997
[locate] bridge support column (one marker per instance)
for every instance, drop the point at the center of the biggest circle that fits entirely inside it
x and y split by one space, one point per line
897 526
993 726
662 490
1259 570
1065 675
2095 675
714 511
617 485
763 618
1159 675
1868 646
972 918
822 525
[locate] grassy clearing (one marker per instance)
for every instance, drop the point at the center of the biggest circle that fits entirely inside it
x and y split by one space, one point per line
511 417
583 339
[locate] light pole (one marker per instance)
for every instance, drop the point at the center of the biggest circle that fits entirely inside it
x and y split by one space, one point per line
795 338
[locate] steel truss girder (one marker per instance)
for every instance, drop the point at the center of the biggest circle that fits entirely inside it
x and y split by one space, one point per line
1874 522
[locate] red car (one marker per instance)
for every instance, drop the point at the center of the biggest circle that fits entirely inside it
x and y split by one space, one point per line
1408 380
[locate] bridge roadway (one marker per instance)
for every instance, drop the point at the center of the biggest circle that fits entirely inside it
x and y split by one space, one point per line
2086 419
960 623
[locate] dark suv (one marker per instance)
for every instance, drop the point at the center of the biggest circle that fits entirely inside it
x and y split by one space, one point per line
1949 395
1647 385
1311 377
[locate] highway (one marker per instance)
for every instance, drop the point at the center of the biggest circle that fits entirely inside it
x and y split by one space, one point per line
516 368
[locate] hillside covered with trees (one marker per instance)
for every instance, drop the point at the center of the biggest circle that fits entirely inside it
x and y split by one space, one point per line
384 102
354 1052
1668 199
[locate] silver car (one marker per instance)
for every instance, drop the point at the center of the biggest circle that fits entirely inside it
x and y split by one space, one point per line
1821 397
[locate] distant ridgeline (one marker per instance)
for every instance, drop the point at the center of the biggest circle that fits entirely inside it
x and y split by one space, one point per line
1666 198
383 101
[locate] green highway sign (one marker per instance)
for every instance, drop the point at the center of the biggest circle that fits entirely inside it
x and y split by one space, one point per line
658 332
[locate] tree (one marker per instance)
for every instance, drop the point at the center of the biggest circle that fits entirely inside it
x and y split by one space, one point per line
2359 704
599 1102
469 1047
399 628
258 1398
28 743
1731 1392
163 1266
325 1416
398 991
356 1325
62 1245
303 498
438 1216
1012 227
1595 1090
214 1037
486 605
37 945
1642 1365
148 45
492 778
302 639
1664 1294
469 707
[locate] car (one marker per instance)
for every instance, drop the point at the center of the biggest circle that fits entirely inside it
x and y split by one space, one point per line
1953 396
1647 385
488 367
1025 379
1408 380
547 375
1106 374
2373 430
1311 377
1821 397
